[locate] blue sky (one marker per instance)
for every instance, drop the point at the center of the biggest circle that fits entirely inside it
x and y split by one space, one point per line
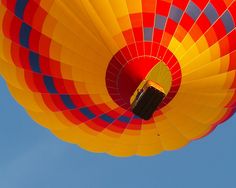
31 157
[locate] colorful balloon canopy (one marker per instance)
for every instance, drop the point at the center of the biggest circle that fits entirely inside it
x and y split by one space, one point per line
74 65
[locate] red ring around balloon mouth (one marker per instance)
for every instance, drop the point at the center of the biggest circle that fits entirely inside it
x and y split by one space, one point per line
129 67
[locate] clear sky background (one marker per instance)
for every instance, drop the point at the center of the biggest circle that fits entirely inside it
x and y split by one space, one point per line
31 157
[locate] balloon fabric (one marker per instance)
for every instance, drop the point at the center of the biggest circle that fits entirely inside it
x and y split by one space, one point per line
74 66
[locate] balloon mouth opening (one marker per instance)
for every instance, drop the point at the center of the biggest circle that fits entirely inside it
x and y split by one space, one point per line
125 74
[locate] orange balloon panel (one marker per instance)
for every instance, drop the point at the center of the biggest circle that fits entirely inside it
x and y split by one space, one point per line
74 65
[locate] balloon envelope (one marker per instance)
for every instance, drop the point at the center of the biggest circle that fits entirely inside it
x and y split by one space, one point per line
74 66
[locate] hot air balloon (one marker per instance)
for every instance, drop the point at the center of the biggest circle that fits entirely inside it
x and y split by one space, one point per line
78 67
